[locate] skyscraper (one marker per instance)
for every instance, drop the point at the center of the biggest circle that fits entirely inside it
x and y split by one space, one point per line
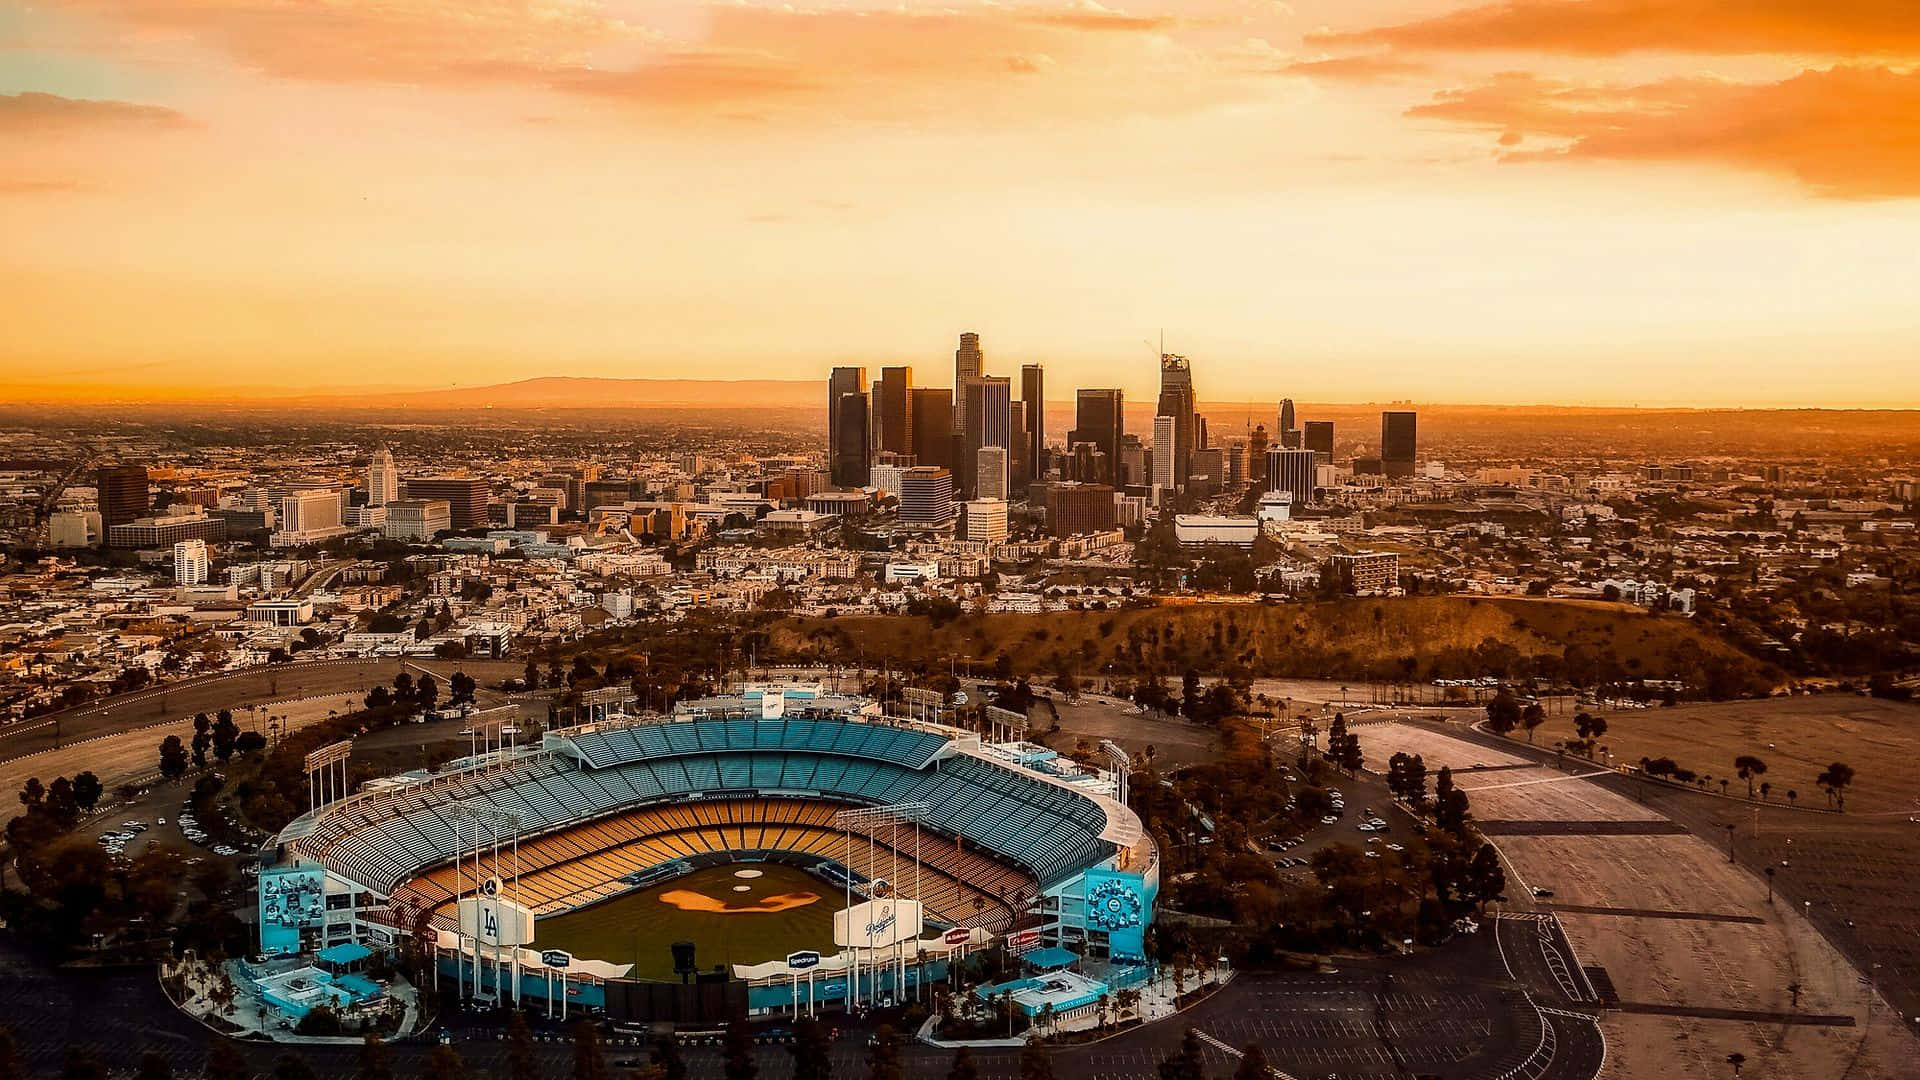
968 364
1257 457
1319 439
466 496
123 494
1286 414
1099 418
932 423
1397 443
991 473
989 417
1033 399
926 497
1166 433
894 411
383 479
852 462
190 562
1292 471
1176 400
844 381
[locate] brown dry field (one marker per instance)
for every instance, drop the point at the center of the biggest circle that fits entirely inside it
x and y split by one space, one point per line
1797 738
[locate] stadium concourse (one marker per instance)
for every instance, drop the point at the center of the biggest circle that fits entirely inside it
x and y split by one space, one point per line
927 841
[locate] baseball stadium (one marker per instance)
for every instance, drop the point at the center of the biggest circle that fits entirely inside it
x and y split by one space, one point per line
775 849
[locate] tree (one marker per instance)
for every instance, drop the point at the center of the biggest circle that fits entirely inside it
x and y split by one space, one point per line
962 1068
373 1063
1834 781
225 734
1503 712
812 1051
1449 804
82 1065
1035 1062
154 1066
426 692
1484 875
1749 767
666 1058
589 1062
1186 1062
1589 726
33 793
444 1063
1736 1059
291 1066
1532 717
224 1062
883 1057
736 1055
523 1062
1253 1064
173 758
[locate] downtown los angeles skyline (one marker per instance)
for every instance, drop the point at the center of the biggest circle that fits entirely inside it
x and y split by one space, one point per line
1689 202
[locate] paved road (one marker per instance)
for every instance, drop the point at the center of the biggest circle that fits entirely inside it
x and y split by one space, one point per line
254 686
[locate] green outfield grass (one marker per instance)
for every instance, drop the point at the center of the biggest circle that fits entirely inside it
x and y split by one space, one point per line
638 928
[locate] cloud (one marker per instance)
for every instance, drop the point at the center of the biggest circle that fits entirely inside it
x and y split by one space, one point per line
1839 28
1366 67
1850 131
33 112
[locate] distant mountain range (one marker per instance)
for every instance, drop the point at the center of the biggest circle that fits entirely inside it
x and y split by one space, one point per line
562 392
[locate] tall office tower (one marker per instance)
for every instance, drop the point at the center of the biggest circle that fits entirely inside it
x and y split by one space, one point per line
989 422
383 479
1292 471
932 426
466 497
844 381
968 364
1033 399
123 494
1257 457
1176 400
1019 469
190 562
852 464
1100 418
893 412
1286 417
992 471
1319 439
1237 463
1397 443
1166 433
926 497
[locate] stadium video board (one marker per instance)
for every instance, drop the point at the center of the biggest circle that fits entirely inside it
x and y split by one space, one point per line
292 899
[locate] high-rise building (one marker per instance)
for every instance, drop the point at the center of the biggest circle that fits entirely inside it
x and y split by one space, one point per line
852 464
1257 457
1286 416
1165 453
840 462
417 519
992 473
893 410
1033 400
190 562
989 422
1176 400
986 520
933 426
383 479
1397 443
1292 471
1079 508
310 510
968 364
1099 419
1319 439
466 496
123 494
926 497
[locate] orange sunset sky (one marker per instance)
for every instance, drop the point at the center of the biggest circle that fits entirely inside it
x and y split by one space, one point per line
1578 201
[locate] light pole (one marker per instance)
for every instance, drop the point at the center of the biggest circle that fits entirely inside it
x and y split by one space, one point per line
1730 842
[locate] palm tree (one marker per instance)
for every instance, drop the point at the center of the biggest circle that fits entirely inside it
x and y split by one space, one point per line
1736 1059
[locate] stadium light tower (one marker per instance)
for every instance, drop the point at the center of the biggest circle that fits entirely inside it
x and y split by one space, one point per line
870 820
491 824
1122 767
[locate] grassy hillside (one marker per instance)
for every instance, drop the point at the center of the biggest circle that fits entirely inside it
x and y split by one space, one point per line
1383 639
